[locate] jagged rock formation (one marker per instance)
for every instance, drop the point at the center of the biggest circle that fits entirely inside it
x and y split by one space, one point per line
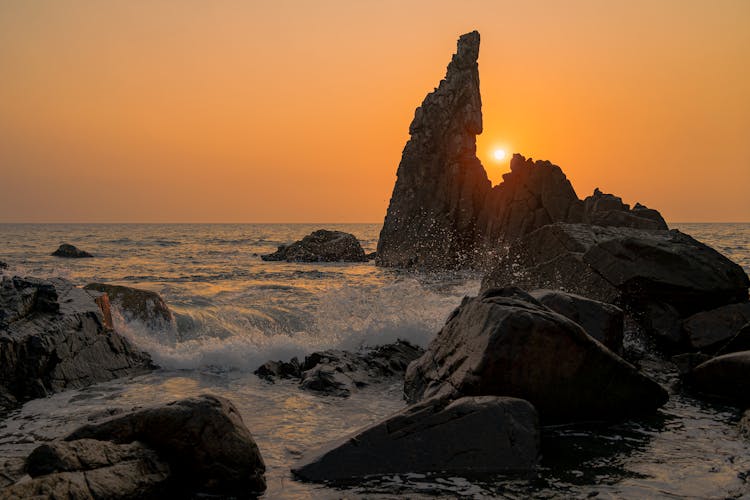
444 212
70 252
144 306
53 337
321 246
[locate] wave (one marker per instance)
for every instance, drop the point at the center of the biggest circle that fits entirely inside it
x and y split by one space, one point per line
346 317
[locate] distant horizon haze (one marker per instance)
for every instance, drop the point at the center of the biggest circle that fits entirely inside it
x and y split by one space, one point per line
195 112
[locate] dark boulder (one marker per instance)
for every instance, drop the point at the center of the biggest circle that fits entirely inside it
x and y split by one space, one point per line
321 246
70 252
709 331
506 343
3 265
603 209
203 439
631 268
53 337
338 373
602 321
135 304
484 434
726 377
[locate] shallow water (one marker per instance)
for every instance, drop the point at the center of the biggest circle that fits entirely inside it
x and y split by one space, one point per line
236 311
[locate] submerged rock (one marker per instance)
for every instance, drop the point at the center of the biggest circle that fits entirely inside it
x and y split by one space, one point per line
69 251
444 212
3 265
602 321
144 306
203 439
53 337
506 343
338 373
709 331
470 435
634 269
321 246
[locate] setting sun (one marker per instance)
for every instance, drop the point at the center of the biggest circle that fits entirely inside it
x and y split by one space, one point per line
498 154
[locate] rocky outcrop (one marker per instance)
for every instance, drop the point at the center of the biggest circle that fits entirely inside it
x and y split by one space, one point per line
603 209
195 446
339 373
709 331
506 343
444 213
208 447
666 274
134 304
602 321
70 252
726 376
321 246
470 435
53 337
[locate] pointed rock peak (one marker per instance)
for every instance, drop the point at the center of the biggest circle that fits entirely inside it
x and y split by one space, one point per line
468 50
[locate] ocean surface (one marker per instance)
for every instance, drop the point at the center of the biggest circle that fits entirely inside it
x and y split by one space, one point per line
235 312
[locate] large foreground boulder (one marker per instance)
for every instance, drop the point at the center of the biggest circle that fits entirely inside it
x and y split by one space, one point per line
70 252
191 447
135 304
506 343
726 376
444 212
602 321
470 435
635 269
339 373
53 337
321 246
204 440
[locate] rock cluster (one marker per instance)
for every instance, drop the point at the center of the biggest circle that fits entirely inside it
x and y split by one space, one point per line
53 337
321 246
70 252
134 304
192 446
339 373
444 213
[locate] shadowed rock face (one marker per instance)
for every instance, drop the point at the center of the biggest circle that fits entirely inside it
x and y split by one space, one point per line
444 212
321 246
70 252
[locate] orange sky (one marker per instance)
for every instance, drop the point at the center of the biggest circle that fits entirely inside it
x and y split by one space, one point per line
298 111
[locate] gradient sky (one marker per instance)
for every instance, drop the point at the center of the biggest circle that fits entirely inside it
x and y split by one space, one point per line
297 111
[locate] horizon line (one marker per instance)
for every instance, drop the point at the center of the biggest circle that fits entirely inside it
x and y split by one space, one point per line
290 223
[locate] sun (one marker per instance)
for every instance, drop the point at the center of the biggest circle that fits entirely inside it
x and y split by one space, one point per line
498 154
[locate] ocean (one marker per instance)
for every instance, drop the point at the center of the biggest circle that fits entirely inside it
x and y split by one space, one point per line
235 311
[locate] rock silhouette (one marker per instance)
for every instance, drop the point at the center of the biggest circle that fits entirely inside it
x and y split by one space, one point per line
444 212
70 252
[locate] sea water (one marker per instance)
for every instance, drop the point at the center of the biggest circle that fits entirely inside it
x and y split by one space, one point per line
235 311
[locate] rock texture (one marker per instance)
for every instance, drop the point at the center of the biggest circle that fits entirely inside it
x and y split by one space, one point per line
204 440
3 265
69 251
470 435
321 246
506 343
53 337
726 376
602 321
135 304
339 373
444 213
709 331
638 270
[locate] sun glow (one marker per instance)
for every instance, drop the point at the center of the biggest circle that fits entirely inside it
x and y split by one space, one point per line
499 154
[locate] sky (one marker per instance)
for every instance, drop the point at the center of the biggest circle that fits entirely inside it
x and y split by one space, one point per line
297 111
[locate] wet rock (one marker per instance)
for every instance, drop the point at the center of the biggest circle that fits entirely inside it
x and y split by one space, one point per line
444 212
744 424
709 330
602 321
134 304
726 376
53 337
603 209
371 256
338 373
70 252
470 435
506 343
203 439
3 265
740 341
321 246
687 362
631 268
